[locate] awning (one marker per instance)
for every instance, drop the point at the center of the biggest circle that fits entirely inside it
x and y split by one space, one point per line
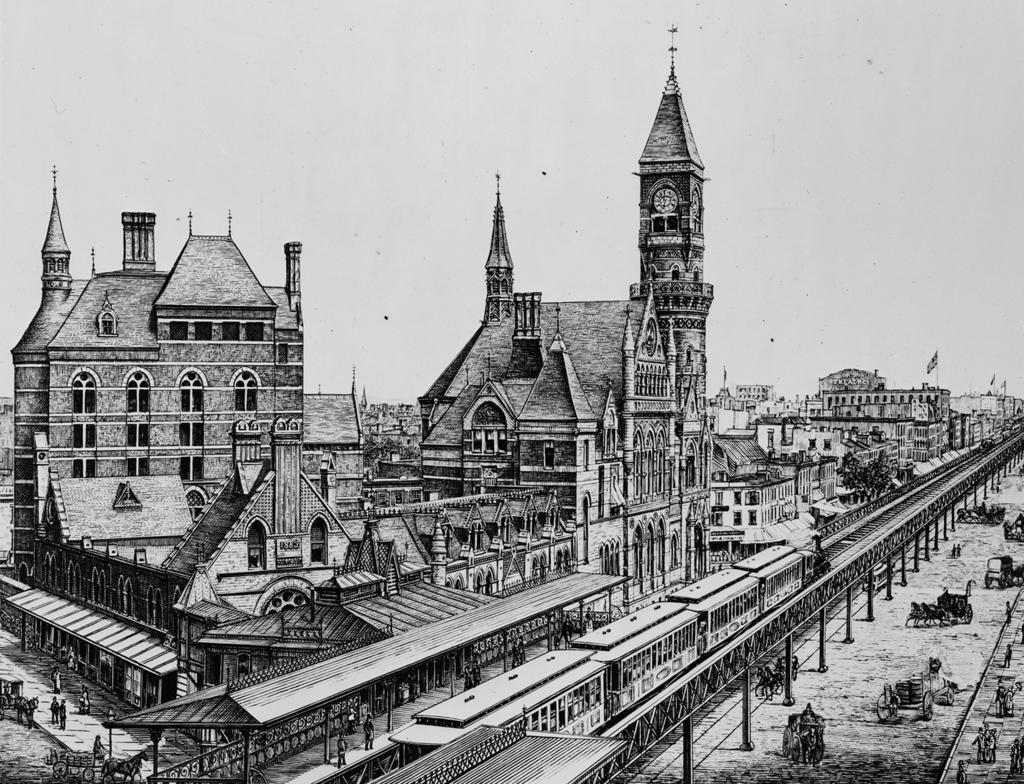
114 636
617 499
826 508
793 532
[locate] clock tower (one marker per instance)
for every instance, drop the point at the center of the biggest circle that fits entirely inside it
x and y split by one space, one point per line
671 237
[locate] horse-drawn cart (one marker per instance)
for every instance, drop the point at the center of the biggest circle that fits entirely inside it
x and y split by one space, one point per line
982 514
921 693
82 767
10 692
949 609
1014 532
803 740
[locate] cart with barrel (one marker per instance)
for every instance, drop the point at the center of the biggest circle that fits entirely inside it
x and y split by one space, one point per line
917 694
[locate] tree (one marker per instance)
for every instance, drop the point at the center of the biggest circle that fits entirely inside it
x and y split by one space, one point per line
377 448
871 477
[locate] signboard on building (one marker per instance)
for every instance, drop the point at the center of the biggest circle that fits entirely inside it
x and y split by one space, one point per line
289 551
725 535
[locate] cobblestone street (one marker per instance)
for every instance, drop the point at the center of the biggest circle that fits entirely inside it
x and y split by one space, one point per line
883 652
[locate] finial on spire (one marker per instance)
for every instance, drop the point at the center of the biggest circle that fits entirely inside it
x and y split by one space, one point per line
672 50
93 253
190 223
54 170
229 222
497 180
558 318
353 379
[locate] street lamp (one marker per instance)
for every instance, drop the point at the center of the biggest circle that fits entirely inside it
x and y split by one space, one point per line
110 732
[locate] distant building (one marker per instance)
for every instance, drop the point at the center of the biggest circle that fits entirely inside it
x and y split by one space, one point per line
395 483
850 379
333 442
755 393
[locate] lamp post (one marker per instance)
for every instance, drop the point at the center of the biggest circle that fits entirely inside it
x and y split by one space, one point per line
110 732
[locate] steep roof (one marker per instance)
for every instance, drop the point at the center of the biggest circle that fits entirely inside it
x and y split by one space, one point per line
286 317
55 242
557 394
671 138
212 272
739 450
131 295
499 257
48 320
330 419
161 510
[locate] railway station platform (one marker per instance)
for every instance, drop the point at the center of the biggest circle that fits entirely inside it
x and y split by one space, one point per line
276 717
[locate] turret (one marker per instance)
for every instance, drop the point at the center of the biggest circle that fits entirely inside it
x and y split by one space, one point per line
438 555
498 270
56 255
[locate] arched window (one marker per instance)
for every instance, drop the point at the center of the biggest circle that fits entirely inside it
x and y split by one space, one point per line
610 432
101 588
285 600
697 212
478 584
257 546
490 583
650 550
127 598
675 551
638 462
648 464
689 356
195 501
675 272
107 324
138 393
23 572
83 394
586 529
318 542
638 553
691 466
150 605
245 391
490 430
191 392
661 547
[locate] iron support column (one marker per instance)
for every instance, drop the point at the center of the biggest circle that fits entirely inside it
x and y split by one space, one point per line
927 543
888 578
903 566
154 736
746 744
822 666
945 520
504 651
687 739
917 552
871 594
788 699
246 762
849 615
935 544
327 735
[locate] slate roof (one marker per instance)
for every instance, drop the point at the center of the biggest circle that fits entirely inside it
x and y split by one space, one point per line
131 296
55 242
89 505
417 605
330 419
499 257
739 451
48 320
286 317
212 272
671 138
591 333
558 393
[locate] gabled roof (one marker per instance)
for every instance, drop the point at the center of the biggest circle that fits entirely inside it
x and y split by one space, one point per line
558 393
92 510
330 419
671 138
55 242
132 294
211 272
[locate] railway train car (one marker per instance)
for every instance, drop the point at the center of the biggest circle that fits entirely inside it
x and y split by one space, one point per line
561 691
639 655
725 601
779 570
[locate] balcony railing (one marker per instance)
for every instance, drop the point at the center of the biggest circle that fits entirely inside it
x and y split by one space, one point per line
673 288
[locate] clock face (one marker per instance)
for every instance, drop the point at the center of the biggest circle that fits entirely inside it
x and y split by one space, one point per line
665 200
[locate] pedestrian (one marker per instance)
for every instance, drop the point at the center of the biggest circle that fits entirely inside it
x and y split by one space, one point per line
71 660
368 733
467 678
1007 656
1009 614
589 620
53 677
1008 700
961 772
796 666
990 744
63 656
342 750
351 721
54 711
56 682
63 714
980 740
1014 755
98 752
999 701
85 702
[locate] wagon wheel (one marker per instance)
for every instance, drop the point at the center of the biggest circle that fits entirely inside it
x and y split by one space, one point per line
255 777
787 735
60 770
926 706
882 708
88 774
950 695
969 615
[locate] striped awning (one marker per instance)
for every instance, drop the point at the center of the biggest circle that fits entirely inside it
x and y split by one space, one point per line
116 637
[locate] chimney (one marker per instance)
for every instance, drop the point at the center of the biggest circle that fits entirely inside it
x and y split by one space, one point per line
286 451
246 438
527 358
292 254
329 480
139 241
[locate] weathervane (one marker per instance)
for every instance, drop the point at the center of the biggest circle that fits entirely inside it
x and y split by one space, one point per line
54 178
229 222
190 223
672 49
497 180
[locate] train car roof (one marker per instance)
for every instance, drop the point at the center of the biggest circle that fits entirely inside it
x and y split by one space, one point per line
468 706
641 641
762 559
778 565
695 592
725 592
635 623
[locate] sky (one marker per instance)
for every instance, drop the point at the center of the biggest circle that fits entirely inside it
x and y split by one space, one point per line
865 193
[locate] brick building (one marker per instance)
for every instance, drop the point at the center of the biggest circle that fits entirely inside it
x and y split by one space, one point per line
138 371
602 403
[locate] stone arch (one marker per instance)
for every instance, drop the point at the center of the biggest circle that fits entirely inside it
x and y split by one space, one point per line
137 369
190 369
238 373
291 591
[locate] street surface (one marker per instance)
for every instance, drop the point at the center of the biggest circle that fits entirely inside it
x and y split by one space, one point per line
858 746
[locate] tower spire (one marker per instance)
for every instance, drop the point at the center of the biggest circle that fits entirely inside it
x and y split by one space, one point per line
56 253
55 242
498 270
672 53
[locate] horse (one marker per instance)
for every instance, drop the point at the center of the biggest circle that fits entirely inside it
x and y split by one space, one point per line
130 768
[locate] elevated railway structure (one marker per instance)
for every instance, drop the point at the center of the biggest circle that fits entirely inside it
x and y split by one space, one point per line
869 544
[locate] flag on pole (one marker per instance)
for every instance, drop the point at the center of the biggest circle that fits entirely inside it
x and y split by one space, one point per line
992 383
933 362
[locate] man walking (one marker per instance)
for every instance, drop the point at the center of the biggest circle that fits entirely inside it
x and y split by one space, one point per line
1007 656
342 750
368 733
63 711
54 712
351 721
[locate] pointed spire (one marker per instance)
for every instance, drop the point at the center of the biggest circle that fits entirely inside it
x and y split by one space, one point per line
55 242
499 257
627 334
671 137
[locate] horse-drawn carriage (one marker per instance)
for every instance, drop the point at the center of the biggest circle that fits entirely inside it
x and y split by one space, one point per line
921 693
10 692
982 514
803 740
83 767
1014 532
949 609
1000 572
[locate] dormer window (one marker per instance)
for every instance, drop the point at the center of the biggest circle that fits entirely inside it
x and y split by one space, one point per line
490 430
106 321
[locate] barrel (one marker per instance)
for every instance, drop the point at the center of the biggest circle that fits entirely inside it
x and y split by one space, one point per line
910 691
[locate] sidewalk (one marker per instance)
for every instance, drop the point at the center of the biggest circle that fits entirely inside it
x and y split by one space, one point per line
984 710
33 668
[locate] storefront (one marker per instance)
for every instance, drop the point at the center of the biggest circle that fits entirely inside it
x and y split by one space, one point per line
131 663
